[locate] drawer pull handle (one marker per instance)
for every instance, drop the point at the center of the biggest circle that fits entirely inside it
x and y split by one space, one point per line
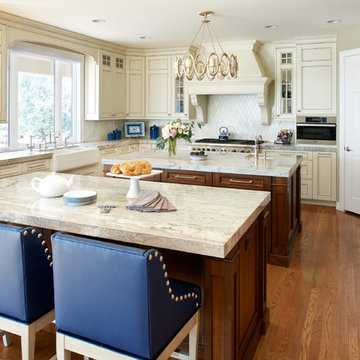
266 214
241 181
185 177
248 241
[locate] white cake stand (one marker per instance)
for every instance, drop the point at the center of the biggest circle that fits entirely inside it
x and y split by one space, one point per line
134 189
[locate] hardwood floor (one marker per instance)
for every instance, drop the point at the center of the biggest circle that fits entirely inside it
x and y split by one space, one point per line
315 304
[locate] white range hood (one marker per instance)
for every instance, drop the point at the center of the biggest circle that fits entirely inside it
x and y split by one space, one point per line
250 80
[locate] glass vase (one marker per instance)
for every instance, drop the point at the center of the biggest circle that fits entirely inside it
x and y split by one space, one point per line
172 147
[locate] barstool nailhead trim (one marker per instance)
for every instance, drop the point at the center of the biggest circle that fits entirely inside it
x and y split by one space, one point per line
39 236
33 231
181 298
49 257
43 243
176 299
172 297
25 233
46 250
197 304
150 257
51 264
170 290
164 267
165 275
161 258
156 254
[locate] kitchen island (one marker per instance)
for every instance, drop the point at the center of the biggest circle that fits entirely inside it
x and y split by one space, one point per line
279 174
216 244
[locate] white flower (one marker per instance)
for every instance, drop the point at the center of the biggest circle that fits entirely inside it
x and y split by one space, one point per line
165 132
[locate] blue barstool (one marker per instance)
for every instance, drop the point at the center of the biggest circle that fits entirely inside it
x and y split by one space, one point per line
26 282
117 302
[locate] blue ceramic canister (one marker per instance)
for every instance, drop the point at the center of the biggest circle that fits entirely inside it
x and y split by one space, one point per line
154 132
117 134
110 136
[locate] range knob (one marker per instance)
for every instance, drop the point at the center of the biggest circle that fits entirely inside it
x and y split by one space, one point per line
203 149
193 148
233 150
213 150
207 149
248 151
242 151
198 149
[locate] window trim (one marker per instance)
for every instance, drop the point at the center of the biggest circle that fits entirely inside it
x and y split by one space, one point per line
78 87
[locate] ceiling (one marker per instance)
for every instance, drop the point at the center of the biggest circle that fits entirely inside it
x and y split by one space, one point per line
172 23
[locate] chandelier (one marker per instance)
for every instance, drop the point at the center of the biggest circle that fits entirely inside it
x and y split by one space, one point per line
199 64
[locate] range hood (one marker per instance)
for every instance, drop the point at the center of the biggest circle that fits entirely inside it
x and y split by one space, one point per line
250 80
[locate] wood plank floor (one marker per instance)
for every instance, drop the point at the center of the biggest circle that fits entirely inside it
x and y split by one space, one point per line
315 304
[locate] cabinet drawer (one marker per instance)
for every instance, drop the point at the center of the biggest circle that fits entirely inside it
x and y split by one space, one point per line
306 169
187 177
242 181
37 165
91 170
109 151
10 170
306 189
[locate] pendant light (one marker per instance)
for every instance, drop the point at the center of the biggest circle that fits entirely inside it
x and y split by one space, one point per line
198 63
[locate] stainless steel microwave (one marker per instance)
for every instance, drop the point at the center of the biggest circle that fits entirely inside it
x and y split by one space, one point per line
316 130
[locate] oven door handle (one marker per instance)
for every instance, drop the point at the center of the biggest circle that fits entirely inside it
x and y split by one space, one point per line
316 125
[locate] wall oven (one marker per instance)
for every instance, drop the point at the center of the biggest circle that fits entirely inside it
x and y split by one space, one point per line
316 130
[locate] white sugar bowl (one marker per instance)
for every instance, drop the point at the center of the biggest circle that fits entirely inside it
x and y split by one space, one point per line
52 186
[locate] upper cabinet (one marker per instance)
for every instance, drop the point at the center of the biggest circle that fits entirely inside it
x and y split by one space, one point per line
105 87
158 87
3 77
180 97
316 78
135 87
286 85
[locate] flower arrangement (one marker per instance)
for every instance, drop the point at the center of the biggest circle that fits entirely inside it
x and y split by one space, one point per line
172 131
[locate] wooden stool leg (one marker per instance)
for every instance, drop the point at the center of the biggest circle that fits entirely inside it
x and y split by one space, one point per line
28 343
6 338
194 339
61 352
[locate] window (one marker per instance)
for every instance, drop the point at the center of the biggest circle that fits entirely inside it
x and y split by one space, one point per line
44 95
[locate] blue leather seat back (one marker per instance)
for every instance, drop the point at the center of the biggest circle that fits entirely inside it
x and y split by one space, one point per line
101 292
26 280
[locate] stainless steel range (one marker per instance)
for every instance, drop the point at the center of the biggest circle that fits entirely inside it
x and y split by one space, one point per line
229 145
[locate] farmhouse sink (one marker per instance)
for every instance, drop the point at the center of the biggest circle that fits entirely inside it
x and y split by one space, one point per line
74 157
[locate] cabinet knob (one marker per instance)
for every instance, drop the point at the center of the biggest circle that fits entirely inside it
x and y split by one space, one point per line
127 114
186 114
299 110
346 148
169 114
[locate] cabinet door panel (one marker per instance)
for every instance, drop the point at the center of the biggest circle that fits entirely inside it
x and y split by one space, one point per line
107 93
306 189
135 92
324 176
316 88
157 97
316 54
119 94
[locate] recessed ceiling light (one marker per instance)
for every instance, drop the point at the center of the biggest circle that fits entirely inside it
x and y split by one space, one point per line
145 37
334 21
98 21
271 26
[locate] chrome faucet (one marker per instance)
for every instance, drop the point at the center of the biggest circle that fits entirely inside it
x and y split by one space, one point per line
256 147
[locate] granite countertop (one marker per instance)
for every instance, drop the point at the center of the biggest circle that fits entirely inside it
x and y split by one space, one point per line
14 157
208 220
234 163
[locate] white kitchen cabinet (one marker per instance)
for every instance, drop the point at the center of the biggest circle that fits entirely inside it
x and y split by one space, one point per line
324 176
306 189
158 87
316 79
286 83
105 87
135 87
180 97
24 167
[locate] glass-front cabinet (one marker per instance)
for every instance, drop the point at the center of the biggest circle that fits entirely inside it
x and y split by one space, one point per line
285 83
180 101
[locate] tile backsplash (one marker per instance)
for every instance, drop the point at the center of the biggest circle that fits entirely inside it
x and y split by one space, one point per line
98 130
241 115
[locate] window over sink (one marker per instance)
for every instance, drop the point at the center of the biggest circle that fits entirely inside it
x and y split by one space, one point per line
45 94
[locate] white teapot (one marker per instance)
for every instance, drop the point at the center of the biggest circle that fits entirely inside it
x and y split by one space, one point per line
52 185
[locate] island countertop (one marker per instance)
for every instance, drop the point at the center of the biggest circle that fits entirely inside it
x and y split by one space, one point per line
208 221
235 163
